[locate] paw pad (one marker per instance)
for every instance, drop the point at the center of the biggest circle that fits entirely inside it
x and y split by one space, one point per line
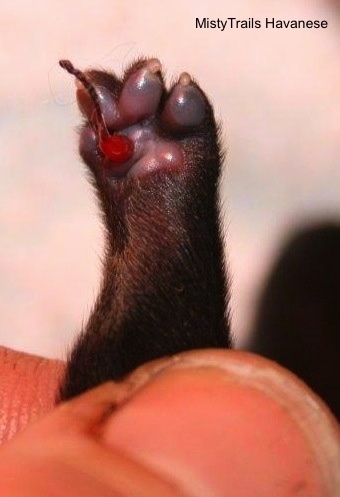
135 126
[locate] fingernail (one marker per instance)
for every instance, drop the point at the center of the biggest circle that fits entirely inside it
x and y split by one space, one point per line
228 423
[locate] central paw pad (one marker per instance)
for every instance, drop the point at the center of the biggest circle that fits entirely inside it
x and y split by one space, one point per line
134 126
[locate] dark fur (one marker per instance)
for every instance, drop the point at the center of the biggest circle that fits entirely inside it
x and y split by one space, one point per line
164 284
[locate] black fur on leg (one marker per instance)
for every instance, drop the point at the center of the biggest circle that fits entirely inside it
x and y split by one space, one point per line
164 286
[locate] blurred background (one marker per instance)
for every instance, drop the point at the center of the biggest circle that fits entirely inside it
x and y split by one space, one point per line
277 93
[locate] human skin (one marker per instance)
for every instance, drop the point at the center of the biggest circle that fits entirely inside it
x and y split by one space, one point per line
234 424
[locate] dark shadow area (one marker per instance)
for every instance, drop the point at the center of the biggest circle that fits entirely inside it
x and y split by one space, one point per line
298 317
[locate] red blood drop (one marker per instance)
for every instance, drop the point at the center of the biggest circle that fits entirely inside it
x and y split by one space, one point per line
117 148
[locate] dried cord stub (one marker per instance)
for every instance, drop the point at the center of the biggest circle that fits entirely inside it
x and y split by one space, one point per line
117 148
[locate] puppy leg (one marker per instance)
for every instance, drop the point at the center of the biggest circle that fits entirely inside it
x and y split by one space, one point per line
164 288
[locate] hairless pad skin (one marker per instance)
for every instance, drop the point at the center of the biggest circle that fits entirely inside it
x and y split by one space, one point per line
154 159
126 131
